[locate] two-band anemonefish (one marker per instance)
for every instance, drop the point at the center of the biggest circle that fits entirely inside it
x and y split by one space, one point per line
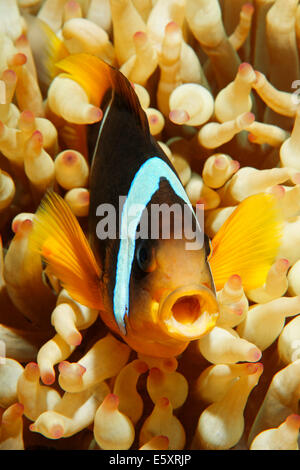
153 292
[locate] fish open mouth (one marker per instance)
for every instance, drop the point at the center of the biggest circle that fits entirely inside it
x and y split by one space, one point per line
189 312
186 310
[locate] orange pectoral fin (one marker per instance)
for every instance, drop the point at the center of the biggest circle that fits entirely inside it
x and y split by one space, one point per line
59 239
248 242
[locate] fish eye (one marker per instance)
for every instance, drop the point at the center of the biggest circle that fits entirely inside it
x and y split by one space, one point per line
207 247
145 257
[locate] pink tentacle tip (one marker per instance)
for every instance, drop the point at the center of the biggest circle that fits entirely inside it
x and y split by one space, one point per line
238 311
31 366
63 366
163 402
259 367
170 364
74 339
248 8
36 140
252 138
69 158
22 40
293 421
172 27
155 375
278 191
16 225
235 166
32 370
245 67
72 5
71 369
248 118
27 116
164 441
32 427
95 114
56 431
111 402
296 178
141 367
140 38
48 378
251 368
220 162
25 227
282 265
153 119
84 197
179 116
9 76
254 354
18 59
235 282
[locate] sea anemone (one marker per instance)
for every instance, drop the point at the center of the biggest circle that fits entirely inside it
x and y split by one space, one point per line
218 82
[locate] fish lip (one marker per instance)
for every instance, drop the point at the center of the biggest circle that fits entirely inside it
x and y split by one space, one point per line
179 326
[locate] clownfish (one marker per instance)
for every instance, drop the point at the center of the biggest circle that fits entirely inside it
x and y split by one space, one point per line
155 293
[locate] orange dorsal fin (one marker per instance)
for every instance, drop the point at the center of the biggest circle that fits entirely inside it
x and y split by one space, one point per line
248 242
59 239
90 72
96 78
94 75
